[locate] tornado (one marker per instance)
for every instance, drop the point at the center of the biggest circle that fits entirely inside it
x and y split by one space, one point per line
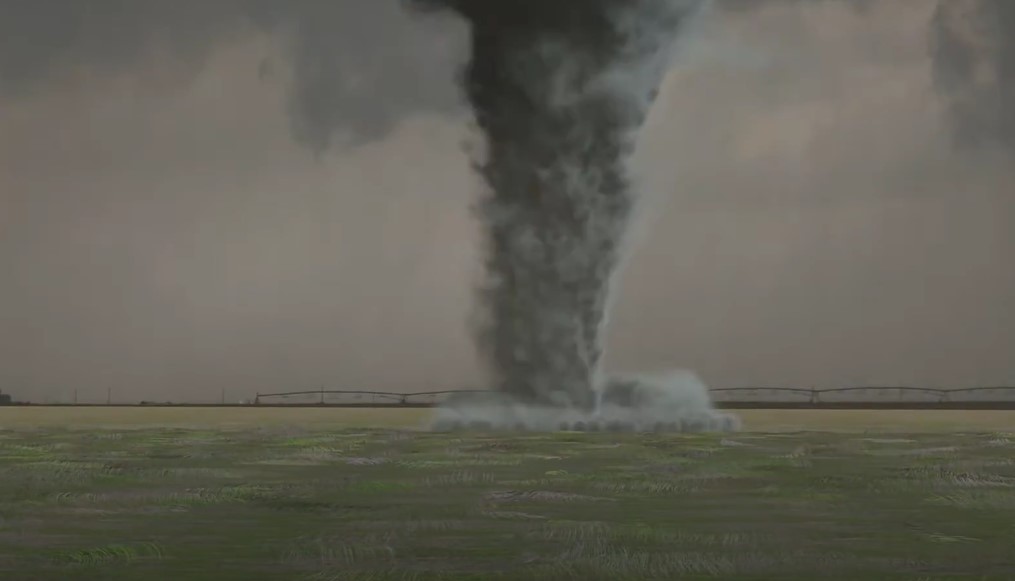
559 90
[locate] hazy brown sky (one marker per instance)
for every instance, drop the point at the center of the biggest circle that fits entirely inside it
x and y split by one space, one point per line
808 223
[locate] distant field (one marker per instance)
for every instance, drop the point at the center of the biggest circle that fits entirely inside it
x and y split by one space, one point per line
339 418
277 503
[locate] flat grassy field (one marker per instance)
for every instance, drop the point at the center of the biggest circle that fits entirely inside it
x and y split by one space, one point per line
341 418
170 494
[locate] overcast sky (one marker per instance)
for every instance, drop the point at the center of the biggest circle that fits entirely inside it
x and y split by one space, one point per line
166 232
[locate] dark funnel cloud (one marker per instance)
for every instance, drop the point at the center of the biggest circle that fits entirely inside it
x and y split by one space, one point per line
974 67
559 91
358 67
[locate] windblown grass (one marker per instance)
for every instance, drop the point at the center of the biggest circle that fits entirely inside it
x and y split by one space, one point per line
274 502
317 419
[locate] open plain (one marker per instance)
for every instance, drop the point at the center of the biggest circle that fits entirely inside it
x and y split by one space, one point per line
318 494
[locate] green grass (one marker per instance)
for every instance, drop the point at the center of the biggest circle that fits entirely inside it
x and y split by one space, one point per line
280 504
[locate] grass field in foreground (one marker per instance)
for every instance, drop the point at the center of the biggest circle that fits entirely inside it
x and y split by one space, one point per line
279 504
341 418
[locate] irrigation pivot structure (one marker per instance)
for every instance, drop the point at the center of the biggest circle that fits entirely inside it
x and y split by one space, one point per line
889 398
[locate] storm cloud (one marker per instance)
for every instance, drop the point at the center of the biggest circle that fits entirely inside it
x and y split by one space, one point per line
357 68
974 65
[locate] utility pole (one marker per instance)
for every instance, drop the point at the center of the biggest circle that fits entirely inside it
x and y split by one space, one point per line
109 396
